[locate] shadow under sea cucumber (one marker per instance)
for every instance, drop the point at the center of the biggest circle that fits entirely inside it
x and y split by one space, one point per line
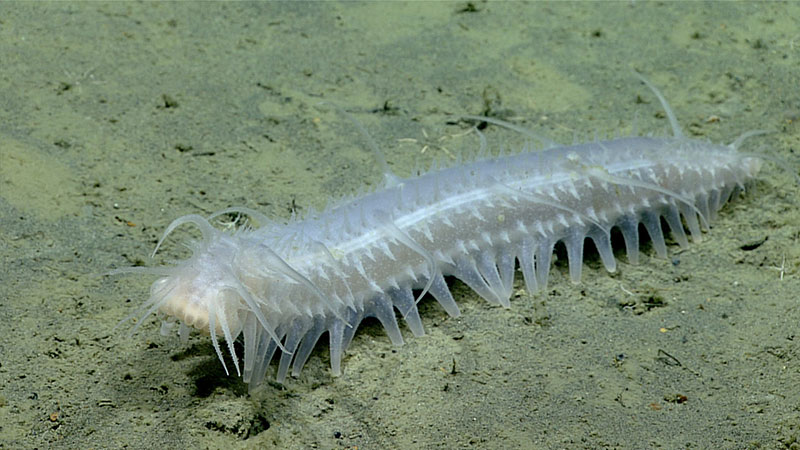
280 286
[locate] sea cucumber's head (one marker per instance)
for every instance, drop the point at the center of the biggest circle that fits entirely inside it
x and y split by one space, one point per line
214 290
203 290
752 166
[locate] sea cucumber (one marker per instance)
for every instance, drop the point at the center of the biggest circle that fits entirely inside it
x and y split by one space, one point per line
280 286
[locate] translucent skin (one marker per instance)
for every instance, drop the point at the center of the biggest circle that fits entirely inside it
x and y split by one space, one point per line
283 284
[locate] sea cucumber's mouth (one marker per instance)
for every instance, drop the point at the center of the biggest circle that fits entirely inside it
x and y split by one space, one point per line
753 166
185 305
188 312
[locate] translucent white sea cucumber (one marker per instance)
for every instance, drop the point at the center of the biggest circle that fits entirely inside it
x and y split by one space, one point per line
280 286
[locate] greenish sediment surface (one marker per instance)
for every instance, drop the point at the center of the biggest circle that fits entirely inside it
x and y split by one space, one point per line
116 118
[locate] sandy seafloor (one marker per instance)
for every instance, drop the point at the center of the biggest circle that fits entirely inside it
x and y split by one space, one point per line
116 118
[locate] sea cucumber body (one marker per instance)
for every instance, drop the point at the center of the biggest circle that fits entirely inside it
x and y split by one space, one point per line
476 222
